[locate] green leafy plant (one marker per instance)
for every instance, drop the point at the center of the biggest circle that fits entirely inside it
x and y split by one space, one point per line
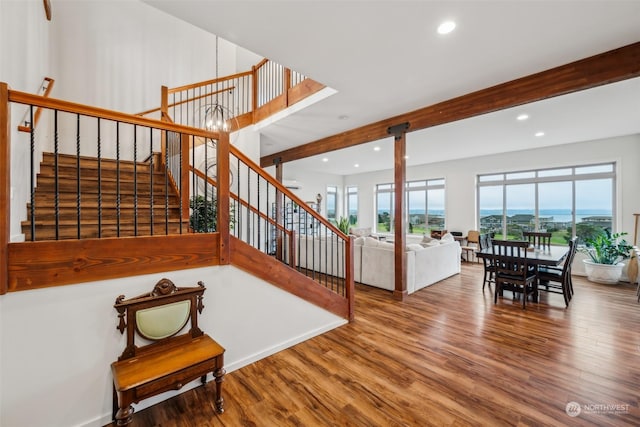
343 224
204 214
607 248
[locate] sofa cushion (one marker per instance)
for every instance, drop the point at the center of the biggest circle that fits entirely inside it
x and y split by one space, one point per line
386 245
360 232
414 247
358 241
370 241
433 242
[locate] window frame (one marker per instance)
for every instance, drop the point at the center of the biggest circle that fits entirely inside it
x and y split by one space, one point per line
558 174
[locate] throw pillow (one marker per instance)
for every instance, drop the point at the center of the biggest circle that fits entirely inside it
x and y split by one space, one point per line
426 239
447 238
358 241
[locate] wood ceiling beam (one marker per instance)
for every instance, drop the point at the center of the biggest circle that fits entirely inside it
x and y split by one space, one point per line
608 67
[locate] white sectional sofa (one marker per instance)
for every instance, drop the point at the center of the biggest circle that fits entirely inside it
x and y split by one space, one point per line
373 260
427 263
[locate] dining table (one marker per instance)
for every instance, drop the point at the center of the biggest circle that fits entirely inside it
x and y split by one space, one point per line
551 256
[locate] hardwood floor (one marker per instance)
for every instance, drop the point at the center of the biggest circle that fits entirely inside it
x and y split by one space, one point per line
445 356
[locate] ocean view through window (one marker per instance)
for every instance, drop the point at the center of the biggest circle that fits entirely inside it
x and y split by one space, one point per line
569 201
425 206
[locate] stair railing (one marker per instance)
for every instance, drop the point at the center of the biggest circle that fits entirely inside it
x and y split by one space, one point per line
272 219
45 88
130 173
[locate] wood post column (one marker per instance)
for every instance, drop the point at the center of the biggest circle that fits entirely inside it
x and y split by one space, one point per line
399 133
5 186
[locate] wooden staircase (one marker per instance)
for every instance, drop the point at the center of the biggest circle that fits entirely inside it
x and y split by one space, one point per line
99 211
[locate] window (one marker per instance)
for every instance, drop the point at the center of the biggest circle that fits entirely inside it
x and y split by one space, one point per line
425 206
352 205
568 201
384 207
332 203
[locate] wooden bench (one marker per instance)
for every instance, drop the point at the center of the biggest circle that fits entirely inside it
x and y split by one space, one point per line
168 361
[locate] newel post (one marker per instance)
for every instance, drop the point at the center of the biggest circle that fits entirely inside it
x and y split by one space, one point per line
223 197
286 84
185 190
254 93
164 103
5 186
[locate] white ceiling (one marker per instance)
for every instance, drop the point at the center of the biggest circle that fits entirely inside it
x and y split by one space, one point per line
384 58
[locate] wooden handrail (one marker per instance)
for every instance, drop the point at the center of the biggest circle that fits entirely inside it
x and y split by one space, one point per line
36 116
209 82
85 110
261 63
257 169
144 113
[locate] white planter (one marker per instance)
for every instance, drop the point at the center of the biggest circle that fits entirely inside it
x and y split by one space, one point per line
603 273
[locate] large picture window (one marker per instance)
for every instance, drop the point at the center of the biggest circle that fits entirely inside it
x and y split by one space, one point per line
570 201
332 203
425 206
352 205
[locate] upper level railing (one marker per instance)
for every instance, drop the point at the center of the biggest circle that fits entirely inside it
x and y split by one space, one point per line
239 100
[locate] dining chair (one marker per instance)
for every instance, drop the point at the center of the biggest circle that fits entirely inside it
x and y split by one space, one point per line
473 244
489 267
512 271
557 281
538 239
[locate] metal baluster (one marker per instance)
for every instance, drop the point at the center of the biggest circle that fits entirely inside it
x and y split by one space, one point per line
258 214
118 179
99 183
78 185
151 166
56 150
135 180
32 147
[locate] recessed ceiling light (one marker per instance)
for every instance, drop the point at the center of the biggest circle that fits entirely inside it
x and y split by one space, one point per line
376 148
406 156
446 27
325 159
343 117
522 117
356 165
540 133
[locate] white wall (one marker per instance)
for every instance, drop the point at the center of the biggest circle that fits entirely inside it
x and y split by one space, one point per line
24 63
313 183
58 343
460 177
25 49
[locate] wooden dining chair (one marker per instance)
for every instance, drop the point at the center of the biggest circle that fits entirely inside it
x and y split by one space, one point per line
512 271
538 239
558 281
473 244
489 267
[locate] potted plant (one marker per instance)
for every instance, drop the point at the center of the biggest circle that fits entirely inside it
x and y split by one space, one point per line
204 214
343 224
606 251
